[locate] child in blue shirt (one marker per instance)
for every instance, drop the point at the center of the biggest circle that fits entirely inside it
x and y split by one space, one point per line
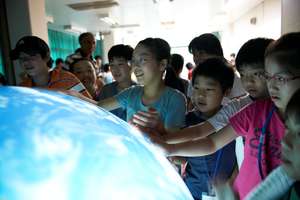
212 80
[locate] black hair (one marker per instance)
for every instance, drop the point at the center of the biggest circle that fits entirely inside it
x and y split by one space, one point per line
58 61
173 81
158 47
120 51
286 51
177 62
218 69
105 67
189 66
98 57
2 79
252 53
293 108
83 35
208 43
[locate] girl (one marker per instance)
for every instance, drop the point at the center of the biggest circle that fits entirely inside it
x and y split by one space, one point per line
149 60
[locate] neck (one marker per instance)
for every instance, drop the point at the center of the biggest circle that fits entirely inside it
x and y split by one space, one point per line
211 113
41 80
152 92
124 84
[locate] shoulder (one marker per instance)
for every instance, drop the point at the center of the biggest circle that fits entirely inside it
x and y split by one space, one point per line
171 92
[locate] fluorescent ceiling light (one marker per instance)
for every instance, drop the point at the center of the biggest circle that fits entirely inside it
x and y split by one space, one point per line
110 21
74 29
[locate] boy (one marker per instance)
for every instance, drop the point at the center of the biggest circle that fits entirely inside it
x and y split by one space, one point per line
119 57
212 80
34 56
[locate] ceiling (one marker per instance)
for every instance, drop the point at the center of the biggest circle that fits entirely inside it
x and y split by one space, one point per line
157 18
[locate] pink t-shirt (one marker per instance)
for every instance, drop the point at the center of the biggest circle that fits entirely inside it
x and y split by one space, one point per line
248 123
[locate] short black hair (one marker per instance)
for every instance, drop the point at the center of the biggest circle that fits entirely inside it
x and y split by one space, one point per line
83 35
105 67
158 47
98 57
208 43
292 111
177 62
252 53
286 51
218 69
58 61
120 51
189 66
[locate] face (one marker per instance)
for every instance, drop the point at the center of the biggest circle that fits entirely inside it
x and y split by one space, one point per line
120 69
145 66
253 81
88 44
207 95
291 148
200 56
282 84
33 65
85 72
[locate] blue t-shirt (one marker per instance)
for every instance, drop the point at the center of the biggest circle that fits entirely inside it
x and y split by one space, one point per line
200 170
111 90
171 105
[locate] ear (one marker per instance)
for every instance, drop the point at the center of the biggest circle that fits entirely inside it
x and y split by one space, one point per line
227 92
163 64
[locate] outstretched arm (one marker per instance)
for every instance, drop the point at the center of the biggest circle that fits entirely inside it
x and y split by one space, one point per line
199 147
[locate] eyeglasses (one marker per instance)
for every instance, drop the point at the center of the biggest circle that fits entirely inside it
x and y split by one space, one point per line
279 79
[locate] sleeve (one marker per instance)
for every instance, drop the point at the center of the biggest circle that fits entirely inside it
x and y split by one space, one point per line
104 93
274 186
175 118
124 96
221 119
241 121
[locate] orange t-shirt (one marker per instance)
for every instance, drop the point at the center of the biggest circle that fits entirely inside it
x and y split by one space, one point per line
61 80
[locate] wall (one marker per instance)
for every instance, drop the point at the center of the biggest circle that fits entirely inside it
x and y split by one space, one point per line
290 16
268 24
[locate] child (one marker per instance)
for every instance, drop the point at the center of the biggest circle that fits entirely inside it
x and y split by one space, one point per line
282 178
84 70
212 80
260 123
34 55
250 63
150 58
119 57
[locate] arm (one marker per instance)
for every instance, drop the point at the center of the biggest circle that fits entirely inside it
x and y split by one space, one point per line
201 147
273 187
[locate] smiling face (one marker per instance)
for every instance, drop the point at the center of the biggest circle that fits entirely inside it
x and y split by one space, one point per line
291 148
281 83
120 69
145 66
85 72
253 81
207 95
34 65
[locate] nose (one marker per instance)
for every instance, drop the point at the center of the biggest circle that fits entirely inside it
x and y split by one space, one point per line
272 85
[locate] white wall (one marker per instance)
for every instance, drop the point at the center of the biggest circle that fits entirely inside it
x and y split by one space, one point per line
290 16
268 24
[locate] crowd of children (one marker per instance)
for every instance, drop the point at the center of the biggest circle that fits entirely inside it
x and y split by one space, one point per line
267 118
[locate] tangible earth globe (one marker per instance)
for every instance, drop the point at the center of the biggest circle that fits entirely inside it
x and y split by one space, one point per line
57 147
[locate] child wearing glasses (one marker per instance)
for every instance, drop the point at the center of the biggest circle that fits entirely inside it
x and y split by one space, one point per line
261 123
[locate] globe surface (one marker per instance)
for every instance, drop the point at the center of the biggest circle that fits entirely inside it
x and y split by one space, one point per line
54 146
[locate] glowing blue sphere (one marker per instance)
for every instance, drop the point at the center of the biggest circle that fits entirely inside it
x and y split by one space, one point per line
57 147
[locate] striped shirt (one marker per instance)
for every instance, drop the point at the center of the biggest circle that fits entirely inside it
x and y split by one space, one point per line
60 80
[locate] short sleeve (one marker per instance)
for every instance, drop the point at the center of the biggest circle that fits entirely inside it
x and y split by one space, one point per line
221 119
175 118
123 97
242 121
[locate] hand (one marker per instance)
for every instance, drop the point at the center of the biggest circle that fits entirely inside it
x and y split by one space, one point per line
150 119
